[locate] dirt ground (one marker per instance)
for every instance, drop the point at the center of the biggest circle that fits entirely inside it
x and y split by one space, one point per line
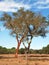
33 59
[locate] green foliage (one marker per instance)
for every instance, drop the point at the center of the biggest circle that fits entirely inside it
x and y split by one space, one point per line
4 50
13 50
44 50
22 51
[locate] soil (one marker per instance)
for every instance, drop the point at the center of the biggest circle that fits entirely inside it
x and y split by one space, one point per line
32 59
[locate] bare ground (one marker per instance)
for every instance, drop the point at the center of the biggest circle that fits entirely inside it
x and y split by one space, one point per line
33 59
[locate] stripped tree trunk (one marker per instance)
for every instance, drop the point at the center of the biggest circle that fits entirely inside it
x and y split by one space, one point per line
27 51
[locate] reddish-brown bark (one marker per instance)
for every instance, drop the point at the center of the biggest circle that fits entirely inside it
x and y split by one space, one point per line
19 43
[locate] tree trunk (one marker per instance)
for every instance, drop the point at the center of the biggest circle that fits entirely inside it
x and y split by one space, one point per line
17 49
29 46
19 43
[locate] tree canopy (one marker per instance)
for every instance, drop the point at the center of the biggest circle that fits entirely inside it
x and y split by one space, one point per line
25 22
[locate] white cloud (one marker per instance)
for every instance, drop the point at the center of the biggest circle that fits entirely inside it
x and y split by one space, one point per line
41 4
42 7
12 6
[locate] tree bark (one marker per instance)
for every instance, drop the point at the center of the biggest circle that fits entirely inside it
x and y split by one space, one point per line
19 43
29 46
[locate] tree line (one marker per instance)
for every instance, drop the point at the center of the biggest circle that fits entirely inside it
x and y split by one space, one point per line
4 50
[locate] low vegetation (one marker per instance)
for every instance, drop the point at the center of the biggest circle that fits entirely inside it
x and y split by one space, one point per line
4 50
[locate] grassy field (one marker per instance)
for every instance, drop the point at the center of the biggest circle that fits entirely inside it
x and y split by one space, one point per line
33 59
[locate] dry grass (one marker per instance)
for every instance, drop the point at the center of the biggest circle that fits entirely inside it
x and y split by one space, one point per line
33 59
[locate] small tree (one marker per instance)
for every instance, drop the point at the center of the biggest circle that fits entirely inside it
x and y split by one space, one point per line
24 25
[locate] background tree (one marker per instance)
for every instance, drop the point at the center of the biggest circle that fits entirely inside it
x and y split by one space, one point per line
24 25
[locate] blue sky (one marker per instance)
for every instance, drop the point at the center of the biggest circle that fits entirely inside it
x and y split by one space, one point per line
9 6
